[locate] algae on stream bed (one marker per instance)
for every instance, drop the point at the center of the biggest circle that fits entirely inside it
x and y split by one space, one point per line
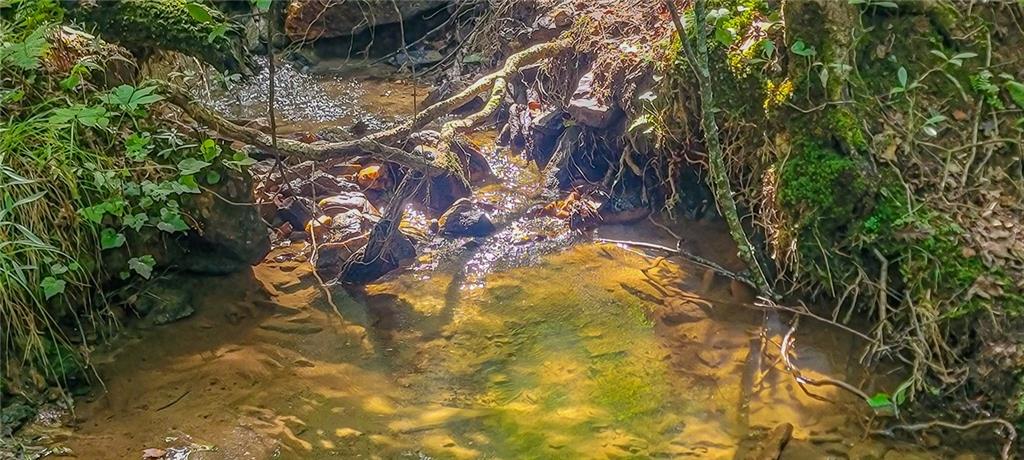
594 352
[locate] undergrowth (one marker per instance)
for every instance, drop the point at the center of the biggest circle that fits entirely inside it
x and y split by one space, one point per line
842 143
85 164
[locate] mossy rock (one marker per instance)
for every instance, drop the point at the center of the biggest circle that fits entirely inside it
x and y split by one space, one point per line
142 25
820 187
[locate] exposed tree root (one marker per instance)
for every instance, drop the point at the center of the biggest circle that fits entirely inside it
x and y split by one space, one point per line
381 145
913 427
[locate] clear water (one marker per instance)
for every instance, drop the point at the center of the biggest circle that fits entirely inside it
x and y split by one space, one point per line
519 347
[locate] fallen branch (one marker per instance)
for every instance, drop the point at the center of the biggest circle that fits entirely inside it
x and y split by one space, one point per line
686 255
296 149
801 379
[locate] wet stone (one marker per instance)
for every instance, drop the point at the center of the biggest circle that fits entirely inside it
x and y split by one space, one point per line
678 311
346 201
465 218
295 211
162 303
588 108
291 327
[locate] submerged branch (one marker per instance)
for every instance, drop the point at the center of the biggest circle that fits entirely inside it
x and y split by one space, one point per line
686 255
913 427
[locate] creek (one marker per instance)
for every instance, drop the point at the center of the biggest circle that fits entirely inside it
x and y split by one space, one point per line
535 342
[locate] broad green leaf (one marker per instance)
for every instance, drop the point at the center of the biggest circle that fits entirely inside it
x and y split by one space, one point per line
188 184
94 213
1016 90
92 116
171 221
212 177
142 265
130 98
135 221
190 166
262 5
901 75
198 12
801 49
110 239
218 31
52 286
880 401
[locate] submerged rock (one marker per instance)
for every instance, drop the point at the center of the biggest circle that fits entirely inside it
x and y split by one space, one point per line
295 211
465 218
625 205
164 302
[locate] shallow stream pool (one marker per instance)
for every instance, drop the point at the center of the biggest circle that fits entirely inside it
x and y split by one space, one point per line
533 343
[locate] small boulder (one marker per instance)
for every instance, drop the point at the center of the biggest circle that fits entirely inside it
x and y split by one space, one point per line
588 107
465 218
295 211
164 302
346 201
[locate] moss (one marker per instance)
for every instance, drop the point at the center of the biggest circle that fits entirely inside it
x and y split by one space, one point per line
166 24
625 388
846 128
817 185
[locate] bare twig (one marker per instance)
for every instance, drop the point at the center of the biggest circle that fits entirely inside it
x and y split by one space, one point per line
686 255
913 427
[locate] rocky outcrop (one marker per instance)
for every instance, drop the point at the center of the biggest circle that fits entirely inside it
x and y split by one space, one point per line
313 19
144 25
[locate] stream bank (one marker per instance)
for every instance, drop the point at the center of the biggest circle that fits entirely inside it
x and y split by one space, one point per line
533 342
592 139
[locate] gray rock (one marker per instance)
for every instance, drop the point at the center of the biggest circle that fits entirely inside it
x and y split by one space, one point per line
589 108
313 19
164 303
